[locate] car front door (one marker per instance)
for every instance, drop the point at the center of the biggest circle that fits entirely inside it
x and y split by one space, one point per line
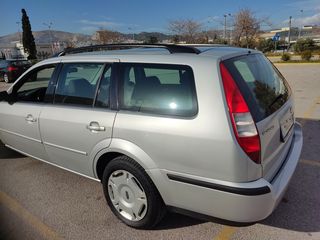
80 120
19 119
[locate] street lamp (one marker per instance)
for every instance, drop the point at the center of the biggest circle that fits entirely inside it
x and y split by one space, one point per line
289 33
301 24
50 35
18 23
130 28
225 25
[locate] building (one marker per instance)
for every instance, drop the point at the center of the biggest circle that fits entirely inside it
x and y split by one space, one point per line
296 33
13 50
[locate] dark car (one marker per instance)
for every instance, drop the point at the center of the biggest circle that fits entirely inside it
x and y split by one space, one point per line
11 69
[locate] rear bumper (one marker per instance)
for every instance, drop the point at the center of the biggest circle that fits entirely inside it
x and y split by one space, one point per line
239 202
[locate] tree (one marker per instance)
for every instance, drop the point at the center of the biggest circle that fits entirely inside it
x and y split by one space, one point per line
107 36
27 36
306 55
266 45
188 29
3 56
246 28
304 44
152 40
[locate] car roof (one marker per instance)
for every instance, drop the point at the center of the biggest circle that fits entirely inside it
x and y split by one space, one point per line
154 53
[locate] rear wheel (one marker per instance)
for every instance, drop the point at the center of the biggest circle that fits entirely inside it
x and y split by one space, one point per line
131 195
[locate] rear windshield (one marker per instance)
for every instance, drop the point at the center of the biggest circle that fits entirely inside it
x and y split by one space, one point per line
263 87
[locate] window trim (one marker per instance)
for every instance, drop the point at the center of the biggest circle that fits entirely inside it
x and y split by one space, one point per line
24 79
104 65
156 112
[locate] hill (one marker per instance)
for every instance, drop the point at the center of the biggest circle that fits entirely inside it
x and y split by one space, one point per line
45 37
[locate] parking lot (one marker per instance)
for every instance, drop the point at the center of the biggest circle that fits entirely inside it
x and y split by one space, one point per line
39 201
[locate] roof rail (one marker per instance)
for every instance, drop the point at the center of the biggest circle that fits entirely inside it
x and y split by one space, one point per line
172 48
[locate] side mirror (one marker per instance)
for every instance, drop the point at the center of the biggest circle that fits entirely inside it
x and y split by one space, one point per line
4 96
10 98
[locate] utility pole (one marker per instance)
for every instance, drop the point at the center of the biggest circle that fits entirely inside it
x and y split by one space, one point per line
301 24
289 33
50 35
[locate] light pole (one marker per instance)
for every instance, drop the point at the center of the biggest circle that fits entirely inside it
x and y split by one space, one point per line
20 40
231 28
213 19
50 34
301 24
225 26
289 33
129 28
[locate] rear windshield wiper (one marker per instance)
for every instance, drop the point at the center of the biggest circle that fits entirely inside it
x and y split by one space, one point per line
280 96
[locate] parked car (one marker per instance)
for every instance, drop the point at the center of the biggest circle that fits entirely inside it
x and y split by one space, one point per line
11 69
207 130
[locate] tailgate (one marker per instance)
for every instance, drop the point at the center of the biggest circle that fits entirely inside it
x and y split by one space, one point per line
276 133
270 101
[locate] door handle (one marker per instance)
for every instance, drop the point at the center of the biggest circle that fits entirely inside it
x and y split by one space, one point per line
30 119
95 127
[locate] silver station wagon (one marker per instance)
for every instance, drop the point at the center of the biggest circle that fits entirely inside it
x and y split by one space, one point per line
198 129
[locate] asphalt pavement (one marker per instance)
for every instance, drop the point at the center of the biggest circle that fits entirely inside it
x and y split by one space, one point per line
39 201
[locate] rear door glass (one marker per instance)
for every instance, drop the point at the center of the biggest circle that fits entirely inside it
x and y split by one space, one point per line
261 84
77 83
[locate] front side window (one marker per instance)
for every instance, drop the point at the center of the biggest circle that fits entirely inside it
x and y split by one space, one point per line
33 87
77 83
158 89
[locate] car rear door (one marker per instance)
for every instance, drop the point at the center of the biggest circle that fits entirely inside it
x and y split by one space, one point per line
80 118
19 119
271 105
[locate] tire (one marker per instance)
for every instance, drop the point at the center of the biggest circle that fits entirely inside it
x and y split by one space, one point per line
131 194
6 78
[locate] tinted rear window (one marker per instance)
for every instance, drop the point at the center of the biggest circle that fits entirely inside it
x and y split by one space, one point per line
261 84
158 89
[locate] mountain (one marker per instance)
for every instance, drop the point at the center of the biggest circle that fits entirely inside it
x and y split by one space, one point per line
145 36
46 35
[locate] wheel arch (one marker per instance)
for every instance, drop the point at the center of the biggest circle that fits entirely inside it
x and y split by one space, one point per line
121 147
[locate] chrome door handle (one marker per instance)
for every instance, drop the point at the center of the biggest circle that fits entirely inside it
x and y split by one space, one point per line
95 127
30 119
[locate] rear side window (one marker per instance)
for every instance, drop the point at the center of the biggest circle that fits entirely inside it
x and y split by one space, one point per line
77 83
158 89
263 87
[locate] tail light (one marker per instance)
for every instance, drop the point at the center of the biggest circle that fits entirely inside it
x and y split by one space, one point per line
242 122
11 69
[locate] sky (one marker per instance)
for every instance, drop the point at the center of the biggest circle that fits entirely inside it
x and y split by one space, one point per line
147 15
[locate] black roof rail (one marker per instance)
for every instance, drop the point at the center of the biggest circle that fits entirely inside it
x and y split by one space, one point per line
172 48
